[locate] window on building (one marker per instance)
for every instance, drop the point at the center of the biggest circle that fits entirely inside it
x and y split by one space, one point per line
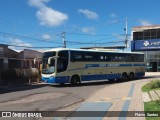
147 34
154 34
137 35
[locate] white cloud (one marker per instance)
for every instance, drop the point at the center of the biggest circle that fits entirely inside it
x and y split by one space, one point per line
50 17
46 15
89 14
118 36
113 15
145 22
38 3
89 30
18 42
46 36
114 21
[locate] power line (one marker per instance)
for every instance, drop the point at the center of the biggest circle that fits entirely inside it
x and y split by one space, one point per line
31 47
94 43
88 34
93 34
5 34
34 47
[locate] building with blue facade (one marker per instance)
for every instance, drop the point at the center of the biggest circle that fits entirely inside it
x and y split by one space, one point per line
147 39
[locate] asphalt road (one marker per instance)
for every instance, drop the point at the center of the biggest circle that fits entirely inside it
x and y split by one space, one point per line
46 97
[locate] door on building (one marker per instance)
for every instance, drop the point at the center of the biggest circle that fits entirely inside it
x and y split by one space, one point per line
158 66
154 66
1 64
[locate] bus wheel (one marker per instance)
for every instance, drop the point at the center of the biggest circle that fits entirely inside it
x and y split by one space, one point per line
75 79
131 76
62 84
124 76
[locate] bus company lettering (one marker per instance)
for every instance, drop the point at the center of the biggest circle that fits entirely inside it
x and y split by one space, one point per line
112 65
102 65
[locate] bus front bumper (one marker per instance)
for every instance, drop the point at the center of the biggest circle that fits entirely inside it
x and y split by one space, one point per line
64 79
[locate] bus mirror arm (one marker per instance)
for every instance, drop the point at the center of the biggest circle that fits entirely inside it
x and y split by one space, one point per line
35 59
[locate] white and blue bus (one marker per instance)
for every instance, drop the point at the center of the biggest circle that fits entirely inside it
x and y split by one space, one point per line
64 65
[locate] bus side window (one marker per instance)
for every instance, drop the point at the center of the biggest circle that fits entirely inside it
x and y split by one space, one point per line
76 56
90 56
128 58
61 65
63 54
101 58
62 62
139 58
132 58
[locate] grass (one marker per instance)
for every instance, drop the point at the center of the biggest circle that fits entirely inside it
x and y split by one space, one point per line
152 106
153 85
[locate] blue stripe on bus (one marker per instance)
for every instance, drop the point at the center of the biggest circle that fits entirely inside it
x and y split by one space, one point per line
92 65
139 74
63 79
112 65
107 65
124 65
66 79
76 69
139 64
100 77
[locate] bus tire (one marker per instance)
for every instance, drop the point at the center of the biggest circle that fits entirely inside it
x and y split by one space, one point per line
111 80
62 84
131 76
75 79
124 76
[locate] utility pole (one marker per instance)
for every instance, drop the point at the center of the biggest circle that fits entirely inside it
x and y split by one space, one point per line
64 40
126 33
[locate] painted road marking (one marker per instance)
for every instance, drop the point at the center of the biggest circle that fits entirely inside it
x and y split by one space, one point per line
126 98
126 104
96 110
107 99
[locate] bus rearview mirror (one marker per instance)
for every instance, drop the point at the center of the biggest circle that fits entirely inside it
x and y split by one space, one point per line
49 61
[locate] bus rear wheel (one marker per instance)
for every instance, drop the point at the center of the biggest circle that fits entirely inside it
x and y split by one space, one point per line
75 80
62 84
124 76
131 76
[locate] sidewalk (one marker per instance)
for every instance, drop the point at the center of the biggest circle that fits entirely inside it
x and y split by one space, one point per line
123 96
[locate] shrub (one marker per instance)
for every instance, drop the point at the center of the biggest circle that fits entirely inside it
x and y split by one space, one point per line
20 75
153 84
158 102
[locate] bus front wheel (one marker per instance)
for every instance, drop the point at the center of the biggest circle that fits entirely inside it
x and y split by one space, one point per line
75 80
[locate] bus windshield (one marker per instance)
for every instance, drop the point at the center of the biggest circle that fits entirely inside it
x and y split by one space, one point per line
48 68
